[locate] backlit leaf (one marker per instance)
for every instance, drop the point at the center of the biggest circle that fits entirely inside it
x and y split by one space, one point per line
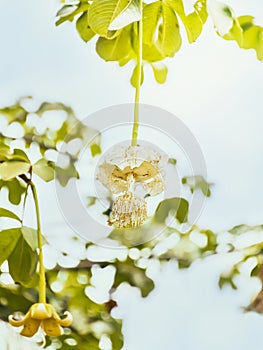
197 183
11 169
44 169
8 241
103 13
31 236
176 206
160 72
8 214
22 262
127 271
15 188
134 76
118 48
83 28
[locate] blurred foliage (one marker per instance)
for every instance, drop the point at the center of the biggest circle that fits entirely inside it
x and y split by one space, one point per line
68 288
115 25
46 127
197 183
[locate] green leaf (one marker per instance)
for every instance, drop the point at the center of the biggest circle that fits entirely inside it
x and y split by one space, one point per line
169 41
95 149
66 10
134 275
5 152
161 34
15 190
11 169
14 113
81 7
91 201
247 35
226 281
22 262
160 72
83 28
31 237
222 16
8 241
130 14
8 214
19 155
211 244
194 21
197 183
116 337
63 175
116 49
177 206
241 229
172 161
134 76
44 169
118 13
255 271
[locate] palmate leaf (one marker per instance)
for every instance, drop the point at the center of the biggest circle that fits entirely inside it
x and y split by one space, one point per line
107 16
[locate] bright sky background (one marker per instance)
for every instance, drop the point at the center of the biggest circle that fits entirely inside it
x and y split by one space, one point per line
216 89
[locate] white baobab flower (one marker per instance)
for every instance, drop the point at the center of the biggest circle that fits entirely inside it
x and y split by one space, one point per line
125 168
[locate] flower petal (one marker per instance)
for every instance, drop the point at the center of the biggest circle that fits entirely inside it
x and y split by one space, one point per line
40 311
30 327
67 320
145 171
16 323
51 327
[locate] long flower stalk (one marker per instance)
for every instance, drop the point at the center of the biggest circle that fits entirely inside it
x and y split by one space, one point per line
138 79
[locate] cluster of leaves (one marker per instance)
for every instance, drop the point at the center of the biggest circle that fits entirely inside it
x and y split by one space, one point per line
115 23
25 121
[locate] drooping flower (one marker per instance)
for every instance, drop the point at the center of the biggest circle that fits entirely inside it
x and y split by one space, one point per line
122 171
128 211
144 164
41 315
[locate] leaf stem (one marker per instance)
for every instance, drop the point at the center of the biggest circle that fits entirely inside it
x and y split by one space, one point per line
42 277
24 204
138 80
